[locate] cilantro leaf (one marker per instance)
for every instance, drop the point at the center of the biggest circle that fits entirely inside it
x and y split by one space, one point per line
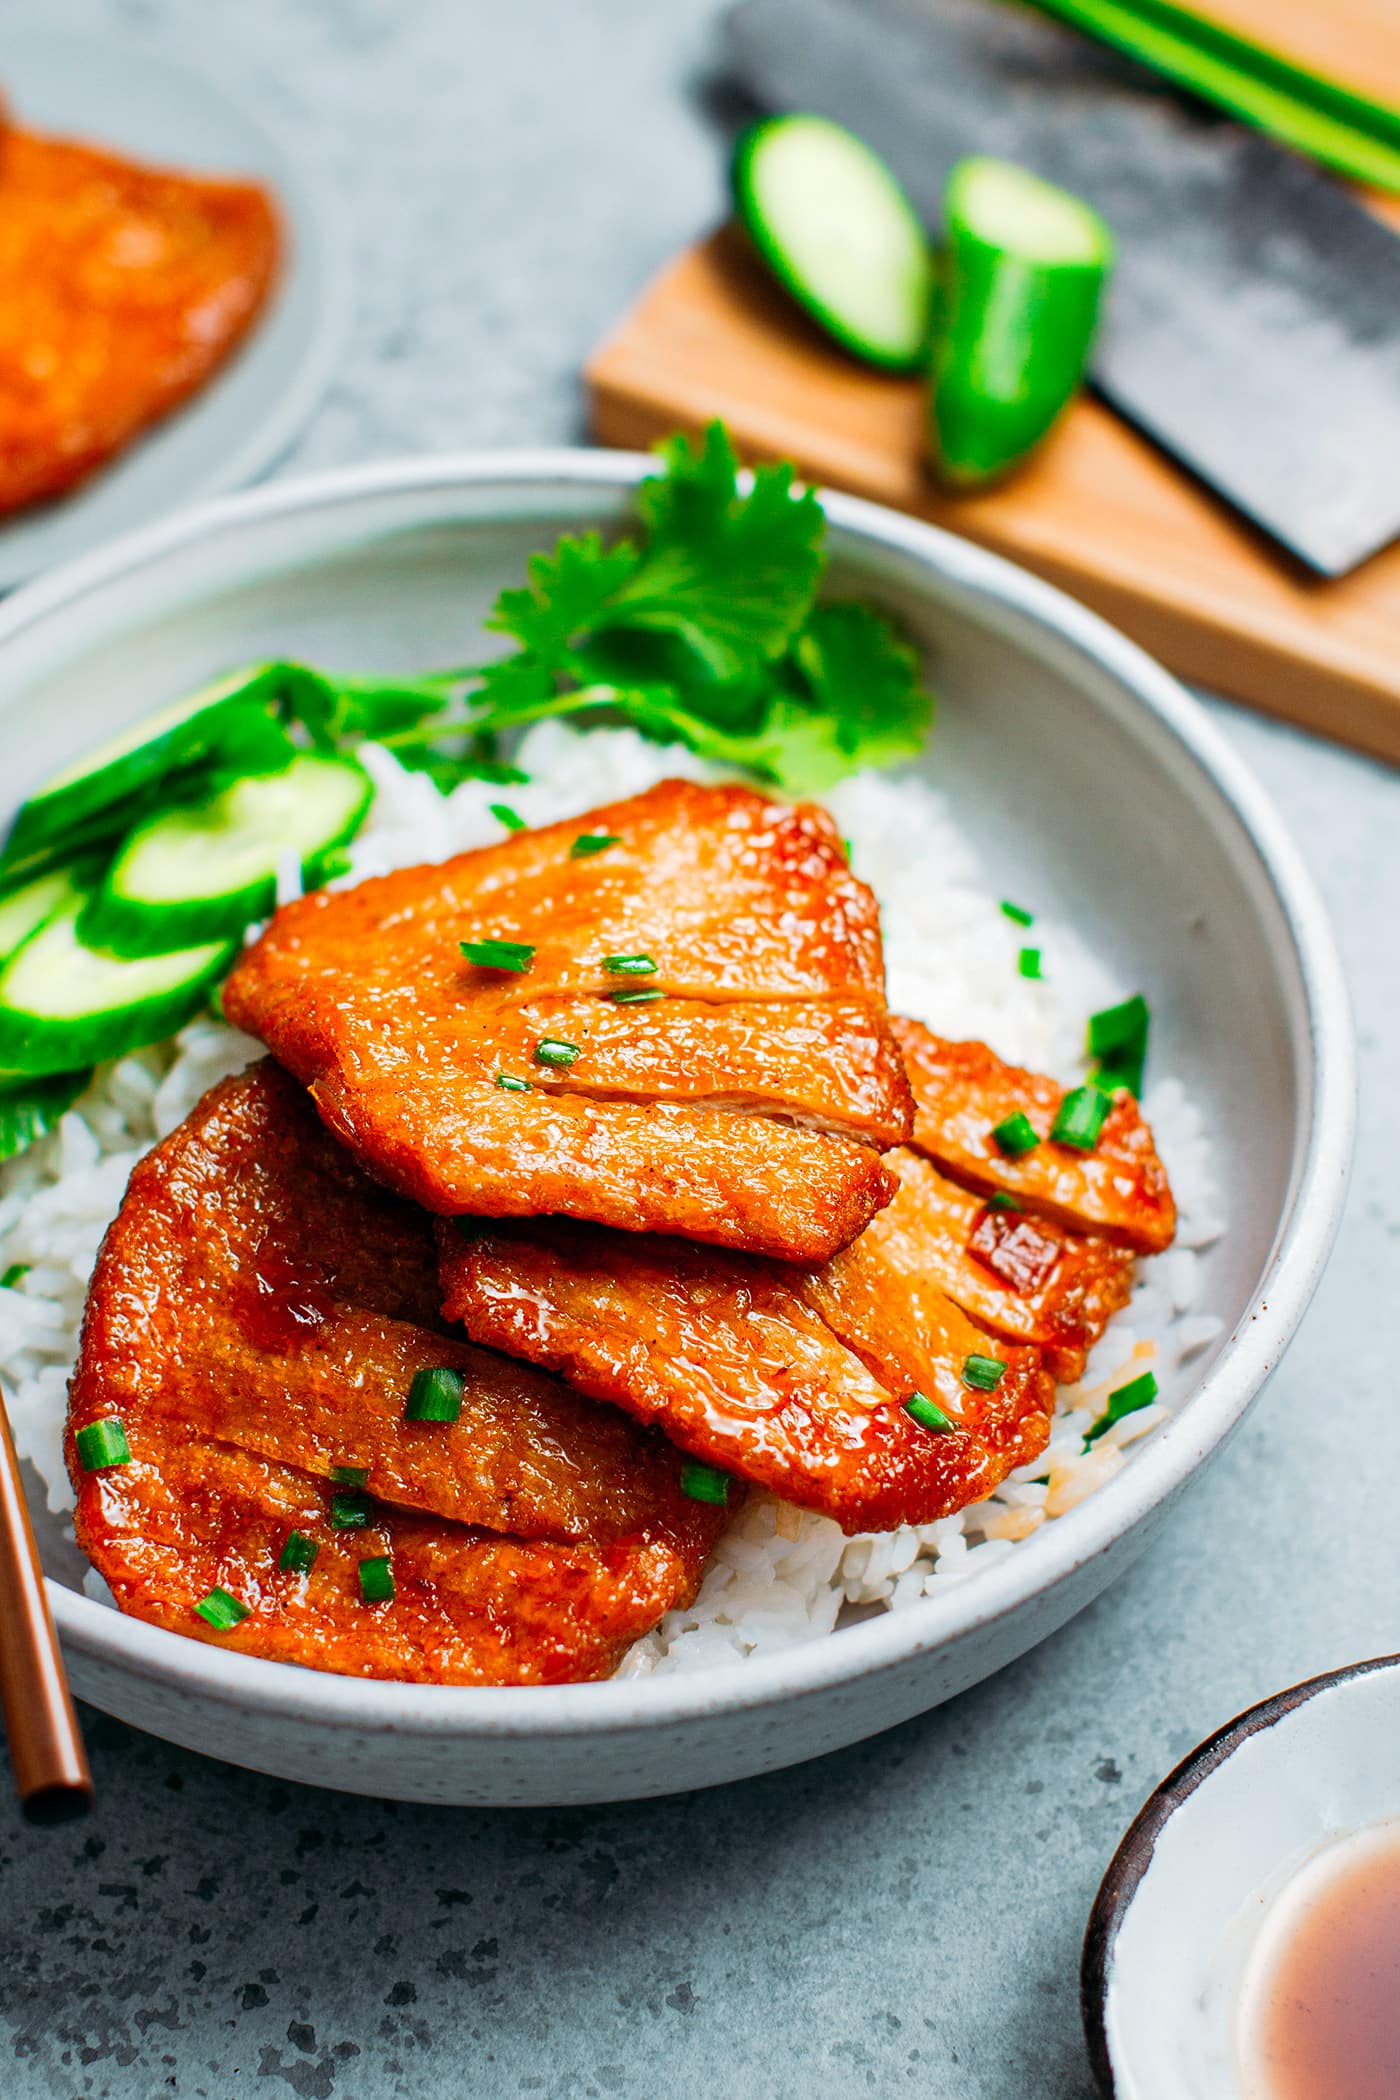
866 685
568 592
731 577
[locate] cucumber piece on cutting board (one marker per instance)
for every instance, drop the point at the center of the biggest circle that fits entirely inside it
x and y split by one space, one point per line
204 873
64 1005
229 725
837 230
1021 277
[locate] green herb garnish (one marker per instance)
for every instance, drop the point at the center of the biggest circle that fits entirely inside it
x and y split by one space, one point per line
1117 1040
509 1084
102 1444
377 1579
516 956
298 1555
1016 1136
1081 1117
550 1052
1002 1199
350 1476
221 1610
434 1395
1017 913
350 1510
1028 962
983 1373
1127 1400
928 1414
629 965
638 995
15 1274
704 1483
504 814
590 842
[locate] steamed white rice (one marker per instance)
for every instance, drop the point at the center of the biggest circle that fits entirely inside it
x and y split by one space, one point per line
779 1574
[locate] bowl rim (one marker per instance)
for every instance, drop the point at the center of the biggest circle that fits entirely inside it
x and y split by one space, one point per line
1132 1861
1307 1227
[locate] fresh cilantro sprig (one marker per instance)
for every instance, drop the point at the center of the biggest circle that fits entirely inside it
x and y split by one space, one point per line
703 629
706 630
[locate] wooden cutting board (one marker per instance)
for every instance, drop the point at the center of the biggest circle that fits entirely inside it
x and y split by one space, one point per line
1099 511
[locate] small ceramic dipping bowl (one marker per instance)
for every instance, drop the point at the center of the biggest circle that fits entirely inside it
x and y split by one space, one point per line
1218 1869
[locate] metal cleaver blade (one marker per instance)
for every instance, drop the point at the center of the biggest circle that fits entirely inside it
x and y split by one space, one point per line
1253 326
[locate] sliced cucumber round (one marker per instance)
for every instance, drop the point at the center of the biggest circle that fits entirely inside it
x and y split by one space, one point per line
229 724
25 909
204 873
837 230
31 1105
64 1004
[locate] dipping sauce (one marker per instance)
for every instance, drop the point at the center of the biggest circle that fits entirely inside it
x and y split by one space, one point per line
1327 2025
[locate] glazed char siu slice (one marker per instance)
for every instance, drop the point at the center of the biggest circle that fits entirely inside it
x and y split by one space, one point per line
792 1380
122 288
744 1107
469 1606
1024 1279
962 1091
256 1318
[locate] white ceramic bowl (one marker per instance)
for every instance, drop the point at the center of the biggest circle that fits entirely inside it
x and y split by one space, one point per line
1107 795
1215 1868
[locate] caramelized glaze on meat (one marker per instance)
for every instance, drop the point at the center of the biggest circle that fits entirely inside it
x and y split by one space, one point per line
791 1379
1025 1279
255 1319
744 1107
962 1091
122 288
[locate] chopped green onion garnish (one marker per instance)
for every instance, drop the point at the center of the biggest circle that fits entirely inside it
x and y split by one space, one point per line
704 1483
1002 1199
590 842
983 1373
350 1476
377 1580
221 1611
638 995
504 814
299 1553
1138 1393
1017 914
350 1510
499 955
103 1444
550 1052
1117 1038
629 965
1081 1117
434 1396
511 1085
334 864
16 1273
1016 1136
1028 962
928 1414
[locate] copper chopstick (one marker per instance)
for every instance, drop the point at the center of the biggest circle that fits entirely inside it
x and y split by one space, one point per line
46 1749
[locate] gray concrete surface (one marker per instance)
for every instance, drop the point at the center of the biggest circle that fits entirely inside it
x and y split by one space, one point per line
904 1917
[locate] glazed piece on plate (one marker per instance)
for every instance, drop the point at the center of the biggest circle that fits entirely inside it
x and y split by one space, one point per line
263 1326
1025 1279
667 1015
122 288
793 1379
990 1126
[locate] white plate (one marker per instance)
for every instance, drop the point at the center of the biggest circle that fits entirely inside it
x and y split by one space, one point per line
131 95
1109 797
